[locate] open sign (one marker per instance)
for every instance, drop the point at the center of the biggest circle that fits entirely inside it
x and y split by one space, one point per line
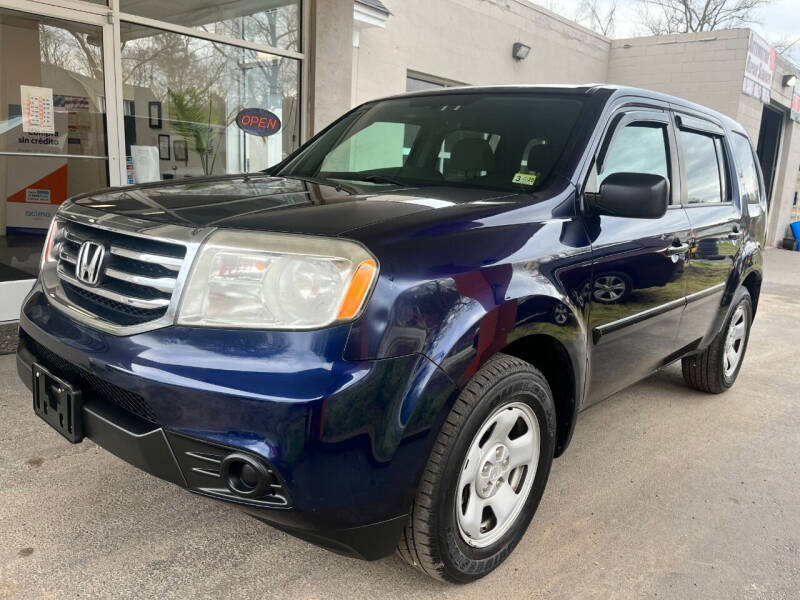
258 121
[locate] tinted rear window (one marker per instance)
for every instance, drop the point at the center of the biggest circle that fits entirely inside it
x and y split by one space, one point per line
746 171
704 181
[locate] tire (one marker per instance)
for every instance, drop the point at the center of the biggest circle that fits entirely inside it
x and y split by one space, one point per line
711 370
436 538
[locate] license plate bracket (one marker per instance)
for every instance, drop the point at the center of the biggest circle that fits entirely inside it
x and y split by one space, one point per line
58 403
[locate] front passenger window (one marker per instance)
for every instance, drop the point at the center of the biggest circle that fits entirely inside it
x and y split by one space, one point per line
637 148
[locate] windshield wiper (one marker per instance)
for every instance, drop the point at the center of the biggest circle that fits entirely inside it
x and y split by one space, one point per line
339 187
374 178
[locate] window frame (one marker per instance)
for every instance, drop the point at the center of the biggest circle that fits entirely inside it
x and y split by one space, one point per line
703 126
630 116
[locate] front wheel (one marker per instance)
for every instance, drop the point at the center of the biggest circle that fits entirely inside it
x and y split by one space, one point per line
715 369
486 474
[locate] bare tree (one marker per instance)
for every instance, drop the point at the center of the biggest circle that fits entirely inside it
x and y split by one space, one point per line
788 47
598 15
660 17
75 51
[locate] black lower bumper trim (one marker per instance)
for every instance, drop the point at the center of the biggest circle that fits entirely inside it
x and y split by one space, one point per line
368 542
142 445
148 447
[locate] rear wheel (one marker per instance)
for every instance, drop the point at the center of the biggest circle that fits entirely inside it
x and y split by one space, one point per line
715 369
486 474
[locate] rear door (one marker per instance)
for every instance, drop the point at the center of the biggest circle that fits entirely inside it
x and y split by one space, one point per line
715 219
637 290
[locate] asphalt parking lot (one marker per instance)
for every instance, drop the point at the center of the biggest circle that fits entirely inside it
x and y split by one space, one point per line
664 493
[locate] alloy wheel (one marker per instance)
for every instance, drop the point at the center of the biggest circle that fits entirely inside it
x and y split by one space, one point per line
609 288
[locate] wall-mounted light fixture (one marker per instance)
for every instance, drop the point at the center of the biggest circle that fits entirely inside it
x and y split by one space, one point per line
789 80
520 51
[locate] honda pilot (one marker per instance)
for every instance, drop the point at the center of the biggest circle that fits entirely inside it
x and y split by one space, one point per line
381 343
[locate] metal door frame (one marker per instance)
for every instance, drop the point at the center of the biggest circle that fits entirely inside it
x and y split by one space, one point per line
90 14
98 16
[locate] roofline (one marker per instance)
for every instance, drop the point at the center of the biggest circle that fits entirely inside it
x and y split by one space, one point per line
482 89
613 91
383 10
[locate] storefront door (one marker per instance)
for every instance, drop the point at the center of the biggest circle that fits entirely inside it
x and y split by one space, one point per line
56 117
98 92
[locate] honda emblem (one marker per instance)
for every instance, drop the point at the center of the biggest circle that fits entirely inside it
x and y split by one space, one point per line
90 262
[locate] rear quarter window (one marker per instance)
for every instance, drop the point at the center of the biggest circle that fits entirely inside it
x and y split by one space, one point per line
746 170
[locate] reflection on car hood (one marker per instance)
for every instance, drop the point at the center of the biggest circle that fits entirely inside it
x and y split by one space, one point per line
262 202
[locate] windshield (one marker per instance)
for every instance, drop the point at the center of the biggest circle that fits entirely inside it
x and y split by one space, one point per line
505 141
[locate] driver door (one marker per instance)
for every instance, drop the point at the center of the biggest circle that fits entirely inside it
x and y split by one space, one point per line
637 293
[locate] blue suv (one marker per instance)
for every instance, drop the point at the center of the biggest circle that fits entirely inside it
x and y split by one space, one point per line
382 342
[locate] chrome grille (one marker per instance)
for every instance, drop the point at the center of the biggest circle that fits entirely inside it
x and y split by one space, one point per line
137 279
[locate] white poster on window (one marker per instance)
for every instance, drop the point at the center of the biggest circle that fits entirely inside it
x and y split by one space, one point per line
759 68
145 163
38 114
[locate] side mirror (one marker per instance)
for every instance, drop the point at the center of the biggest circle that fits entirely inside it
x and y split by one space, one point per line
632 195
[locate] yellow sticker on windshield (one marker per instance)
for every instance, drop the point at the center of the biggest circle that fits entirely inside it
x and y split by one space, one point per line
524 178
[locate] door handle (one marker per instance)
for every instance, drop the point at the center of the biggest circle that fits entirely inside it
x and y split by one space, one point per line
680 249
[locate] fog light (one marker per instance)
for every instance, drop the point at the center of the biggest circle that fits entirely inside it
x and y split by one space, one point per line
245 476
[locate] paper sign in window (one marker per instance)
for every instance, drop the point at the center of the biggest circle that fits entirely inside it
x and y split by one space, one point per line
37 109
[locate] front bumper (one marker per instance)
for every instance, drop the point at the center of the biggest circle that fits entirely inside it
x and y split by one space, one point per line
346 441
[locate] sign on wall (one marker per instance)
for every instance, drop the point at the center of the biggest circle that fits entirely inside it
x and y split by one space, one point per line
795 114
759 68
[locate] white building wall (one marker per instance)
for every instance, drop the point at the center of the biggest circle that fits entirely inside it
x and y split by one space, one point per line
470 41
706 68
330 33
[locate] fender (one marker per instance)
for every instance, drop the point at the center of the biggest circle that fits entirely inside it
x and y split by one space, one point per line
748 262
548 330
532 290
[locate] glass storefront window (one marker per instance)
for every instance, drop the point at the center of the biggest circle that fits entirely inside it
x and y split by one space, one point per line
52 129
274 23
63 60
181 97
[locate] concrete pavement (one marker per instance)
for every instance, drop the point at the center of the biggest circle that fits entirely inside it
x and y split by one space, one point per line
664 492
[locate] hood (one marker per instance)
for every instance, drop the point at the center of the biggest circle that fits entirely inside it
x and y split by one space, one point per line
265 203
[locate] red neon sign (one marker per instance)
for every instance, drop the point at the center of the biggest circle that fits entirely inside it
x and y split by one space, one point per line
258 121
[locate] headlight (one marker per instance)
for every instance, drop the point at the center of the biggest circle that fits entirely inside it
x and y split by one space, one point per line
52 245
275 281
